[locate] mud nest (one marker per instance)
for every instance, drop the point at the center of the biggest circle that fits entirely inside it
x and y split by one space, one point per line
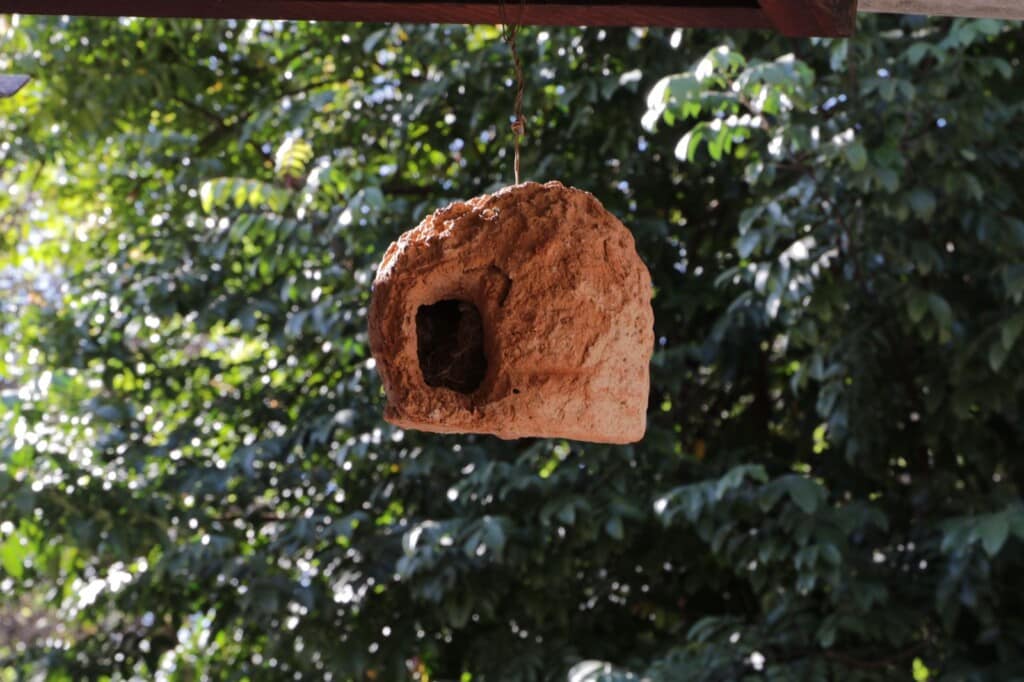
523 313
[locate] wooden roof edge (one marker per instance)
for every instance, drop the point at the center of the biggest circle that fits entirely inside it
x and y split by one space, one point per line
979 9
791 17
811 17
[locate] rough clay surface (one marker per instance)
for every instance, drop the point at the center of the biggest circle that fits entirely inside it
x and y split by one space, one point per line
566 308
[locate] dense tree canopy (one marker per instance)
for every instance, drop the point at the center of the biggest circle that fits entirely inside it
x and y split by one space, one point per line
195 481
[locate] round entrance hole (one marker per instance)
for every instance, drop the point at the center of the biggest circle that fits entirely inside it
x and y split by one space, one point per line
450 345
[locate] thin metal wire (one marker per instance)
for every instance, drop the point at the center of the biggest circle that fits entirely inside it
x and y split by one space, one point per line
509 32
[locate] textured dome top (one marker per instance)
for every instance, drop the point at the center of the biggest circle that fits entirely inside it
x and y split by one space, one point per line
522 313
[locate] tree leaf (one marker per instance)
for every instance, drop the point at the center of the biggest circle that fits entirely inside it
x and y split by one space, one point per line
614 528
916 52
1011 331
993 530
12 554
997 354
747 243
917 306
856 155
922 202
806 493
686 150
567 514
940 310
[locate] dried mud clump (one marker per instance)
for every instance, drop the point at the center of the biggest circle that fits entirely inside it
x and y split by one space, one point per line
526 313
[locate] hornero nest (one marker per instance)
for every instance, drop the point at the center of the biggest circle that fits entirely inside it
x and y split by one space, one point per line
526 313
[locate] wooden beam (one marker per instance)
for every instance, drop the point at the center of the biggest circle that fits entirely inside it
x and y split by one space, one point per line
695 13
812 17
990 9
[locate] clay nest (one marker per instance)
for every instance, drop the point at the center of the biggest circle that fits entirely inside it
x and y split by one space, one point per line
522 313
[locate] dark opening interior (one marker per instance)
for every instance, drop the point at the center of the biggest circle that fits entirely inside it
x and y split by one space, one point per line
450 345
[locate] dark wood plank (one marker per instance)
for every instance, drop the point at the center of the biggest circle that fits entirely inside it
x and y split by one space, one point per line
811 17
710 14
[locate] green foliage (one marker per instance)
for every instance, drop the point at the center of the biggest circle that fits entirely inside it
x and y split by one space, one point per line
194 476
